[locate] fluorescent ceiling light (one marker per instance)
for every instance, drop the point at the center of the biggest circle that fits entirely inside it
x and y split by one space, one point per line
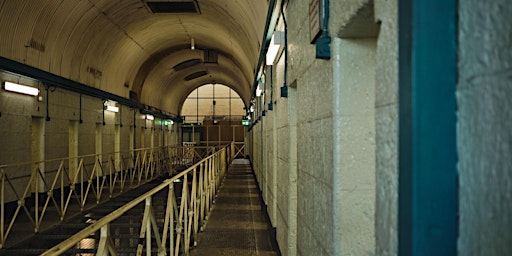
8 86
150 117
276 41
258 91
113 109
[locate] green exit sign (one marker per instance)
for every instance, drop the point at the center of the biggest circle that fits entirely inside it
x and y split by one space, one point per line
245 122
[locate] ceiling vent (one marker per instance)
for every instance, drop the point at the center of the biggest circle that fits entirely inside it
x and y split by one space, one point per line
173 6
211 56
196 75
187 64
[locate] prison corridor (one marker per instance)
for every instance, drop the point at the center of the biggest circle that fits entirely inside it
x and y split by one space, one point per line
238 224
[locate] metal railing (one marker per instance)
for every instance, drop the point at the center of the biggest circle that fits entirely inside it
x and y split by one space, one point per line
32 193
184 216
238 149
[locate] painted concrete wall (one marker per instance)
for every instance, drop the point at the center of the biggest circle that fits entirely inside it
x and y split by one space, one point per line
484 127
302 142
386 123
354 134
21 113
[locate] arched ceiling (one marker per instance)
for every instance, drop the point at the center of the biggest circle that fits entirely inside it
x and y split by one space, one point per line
121 45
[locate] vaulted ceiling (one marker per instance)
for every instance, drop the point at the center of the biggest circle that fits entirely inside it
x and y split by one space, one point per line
130 47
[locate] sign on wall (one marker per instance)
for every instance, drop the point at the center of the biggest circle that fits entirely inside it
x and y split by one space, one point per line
315 28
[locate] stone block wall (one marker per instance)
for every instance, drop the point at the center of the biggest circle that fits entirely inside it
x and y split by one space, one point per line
484 134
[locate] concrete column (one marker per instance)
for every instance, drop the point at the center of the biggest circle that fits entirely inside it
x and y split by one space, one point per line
142 137
38 146
99 140
73 147
354 146
132 137
117 145
292 172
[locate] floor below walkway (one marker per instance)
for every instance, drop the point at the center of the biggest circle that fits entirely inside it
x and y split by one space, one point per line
238 224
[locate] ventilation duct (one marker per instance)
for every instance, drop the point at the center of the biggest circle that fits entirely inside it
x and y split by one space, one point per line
196 75
211 56
186 64
173 7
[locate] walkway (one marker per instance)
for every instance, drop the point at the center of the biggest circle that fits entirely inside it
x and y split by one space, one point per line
40 242
238 225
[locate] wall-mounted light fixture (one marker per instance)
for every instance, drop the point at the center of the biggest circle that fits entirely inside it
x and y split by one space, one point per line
113 109
192 44
150 117
19 88
275 44
258 91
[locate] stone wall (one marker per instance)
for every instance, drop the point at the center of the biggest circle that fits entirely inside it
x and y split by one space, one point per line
301 137
386 122
484 127
26 134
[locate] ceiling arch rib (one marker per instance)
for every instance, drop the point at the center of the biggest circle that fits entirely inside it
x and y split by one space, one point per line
162 85
120 46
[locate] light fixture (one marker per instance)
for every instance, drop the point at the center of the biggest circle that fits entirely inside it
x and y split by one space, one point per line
251 109
275 43
258 91
112 109
150 117
23 89
192 44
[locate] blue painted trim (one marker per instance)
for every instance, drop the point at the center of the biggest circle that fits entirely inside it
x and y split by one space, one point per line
323 43
428 197
270 24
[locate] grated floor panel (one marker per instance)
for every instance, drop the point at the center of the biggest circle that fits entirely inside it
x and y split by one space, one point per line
237 225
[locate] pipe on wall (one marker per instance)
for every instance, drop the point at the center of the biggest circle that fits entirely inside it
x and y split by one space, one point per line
284 88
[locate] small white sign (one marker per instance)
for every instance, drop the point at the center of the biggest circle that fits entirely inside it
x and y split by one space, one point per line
314 20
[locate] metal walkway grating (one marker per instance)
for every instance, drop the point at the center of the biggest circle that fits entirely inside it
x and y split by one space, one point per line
238 224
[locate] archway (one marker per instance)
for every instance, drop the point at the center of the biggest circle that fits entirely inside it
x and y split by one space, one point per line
213 114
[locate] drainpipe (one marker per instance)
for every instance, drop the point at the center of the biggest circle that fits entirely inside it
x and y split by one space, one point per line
270 104
47 87
323 43
81 120
134 129
284 89
270 24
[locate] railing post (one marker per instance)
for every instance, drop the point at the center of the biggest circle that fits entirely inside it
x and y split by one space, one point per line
36 208
171 217
185 206
2 209
168 230
201 194
194 204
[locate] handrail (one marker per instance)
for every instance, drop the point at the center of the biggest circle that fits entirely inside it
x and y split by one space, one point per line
71 185
195 206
